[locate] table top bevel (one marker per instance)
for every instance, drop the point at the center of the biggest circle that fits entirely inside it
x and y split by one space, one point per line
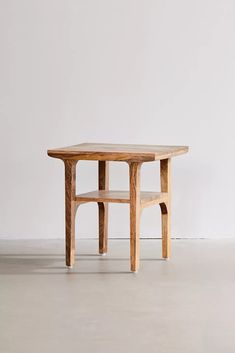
117 152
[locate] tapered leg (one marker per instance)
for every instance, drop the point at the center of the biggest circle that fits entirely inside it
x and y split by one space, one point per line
103 170
134 168
165 170
70 210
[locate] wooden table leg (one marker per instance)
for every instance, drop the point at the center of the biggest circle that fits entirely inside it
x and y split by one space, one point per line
70 210
165 171
134 169
103 171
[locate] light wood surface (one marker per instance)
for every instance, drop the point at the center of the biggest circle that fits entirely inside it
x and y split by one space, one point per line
165 173
147 198
70 210
117 152
103 172
134 155
134 171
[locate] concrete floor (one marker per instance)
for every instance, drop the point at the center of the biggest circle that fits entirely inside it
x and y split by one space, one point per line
185 305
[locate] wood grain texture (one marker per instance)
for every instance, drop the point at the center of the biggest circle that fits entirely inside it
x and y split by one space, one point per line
147 198
103 173
135 209
70 210
134 155
117 152
165 171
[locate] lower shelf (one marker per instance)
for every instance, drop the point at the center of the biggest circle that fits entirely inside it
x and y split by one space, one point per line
147 198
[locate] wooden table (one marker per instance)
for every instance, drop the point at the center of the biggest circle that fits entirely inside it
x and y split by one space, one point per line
134 155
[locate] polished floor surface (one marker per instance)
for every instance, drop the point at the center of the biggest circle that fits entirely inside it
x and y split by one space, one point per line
185 305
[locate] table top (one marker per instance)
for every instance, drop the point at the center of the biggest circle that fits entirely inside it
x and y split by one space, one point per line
117 152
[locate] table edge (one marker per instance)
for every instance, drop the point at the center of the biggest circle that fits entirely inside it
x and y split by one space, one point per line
115 156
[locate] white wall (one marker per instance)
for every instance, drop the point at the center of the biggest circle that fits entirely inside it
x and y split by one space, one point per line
123 71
